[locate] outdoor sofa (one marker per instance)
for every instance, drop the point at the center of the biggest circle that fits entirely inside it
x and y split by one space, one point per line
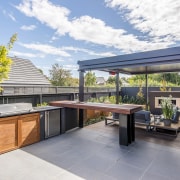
145 118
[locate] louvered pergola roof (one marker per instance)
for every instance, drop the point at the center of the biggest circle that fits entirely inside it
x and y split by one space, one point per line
156 61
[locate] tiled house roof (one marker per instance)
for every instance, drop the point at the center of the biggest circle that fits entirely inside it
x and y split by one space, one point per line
23 72
100 80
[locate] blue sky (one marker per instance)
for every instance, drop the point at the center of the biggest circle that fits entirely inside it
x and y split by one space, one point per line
66 31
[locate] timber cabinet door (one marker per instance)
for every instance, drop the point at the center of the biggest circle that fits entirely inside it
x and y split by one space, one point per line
28 129
8 133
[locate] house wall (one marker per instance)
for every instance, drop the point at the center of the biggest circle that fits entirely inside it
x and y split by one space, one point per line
156 96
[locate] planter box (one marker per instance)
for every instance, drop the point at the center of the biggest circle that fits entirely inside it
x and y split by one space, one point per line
91 114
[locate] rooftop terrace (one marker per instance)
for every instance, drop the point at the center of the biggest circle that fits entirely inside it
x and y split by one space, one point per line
93 153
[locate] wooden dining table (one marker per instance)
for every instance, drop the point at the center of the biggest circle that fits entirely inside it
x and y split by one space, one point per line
125 111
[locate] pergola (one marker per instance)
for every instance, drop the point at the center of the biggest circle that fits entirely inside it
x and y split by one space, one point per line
156 61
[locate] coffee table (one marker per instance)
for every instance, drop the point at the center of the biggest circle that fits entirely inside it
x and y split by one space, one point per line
158 126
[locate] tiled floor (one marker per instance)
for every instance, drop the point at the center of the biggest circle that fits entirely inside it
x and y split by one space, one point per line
91 153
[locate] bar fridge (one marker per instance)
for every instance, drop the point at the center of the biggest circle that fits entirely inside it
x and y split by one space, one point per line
52 123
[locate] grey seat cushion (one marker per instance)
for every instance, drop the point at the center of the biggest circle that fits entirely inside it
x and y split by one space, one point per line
176 117
142 116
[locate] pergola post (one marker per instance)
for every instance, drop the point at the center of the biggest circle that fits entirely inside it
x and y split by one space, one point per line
81 86
81 98
117 88
146 91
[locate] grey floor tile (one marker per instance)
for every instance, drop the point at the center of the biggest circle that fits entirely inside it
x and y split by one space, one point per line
155 176
141 159
67 176
124 171
166 164
113 153
90 174
96 162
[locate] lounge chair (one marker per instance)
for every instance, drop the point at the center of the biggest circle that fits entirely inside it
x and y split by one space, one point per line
176 117
143 118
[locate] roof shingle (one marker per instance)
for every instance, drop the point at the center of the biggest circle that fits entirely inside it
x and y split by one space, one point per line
24 72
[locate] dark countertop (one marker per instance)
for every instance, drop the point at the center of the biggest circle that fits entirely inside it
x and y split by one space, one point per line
34 110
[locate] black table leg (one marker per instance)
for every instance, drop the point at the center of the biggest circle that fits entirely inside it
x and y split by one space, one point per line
81 117
126 129
132 127
123 130
129 129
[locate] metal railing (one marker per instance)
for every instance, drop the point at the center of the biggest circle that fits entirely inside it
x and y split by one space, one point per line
26 90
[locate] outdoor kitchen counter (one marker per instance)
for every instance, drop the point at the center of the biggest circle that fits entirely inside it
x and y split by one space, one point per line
125 111
33 110
22 127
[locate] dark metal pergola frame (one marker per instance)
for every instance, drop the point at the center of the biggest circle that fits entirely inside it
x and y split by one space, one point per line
156 61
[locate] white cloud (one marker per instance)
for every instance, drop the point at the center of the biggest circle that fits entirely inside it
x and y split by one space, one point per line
21 54
46 49
70 67
43 67
75 49
61 51
146 16
47 13
158 18
59 60
96 31
28 28
54 38
12 17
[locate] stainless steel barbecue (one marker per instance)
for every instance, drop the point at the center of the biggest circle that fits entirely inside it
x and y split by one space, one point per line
15 108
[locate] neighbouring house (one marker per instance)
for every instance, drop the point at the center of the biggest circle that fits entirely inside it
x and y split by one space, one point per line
100 81
23 72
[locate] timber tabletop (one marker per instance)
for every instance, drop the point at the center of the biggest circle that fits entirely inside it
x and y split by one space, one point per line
117 108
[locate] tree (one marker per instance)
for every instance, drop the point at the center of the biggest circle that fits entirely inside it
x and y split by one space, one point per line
171 77
41 71
73 82
59 76
137 80
90 79
5 61
112 80
140 95
168 79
